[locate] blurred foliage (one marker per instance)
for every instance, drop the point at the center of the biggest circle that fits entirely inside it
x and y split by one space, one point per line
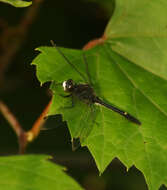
17 3
34 172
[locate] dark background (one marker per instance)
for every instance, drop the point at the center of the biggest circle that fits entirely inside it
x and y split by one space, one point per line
70 24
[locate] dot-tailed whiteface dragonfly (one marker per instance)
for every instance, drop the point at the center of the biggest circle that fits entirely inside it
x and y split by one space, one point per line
85 92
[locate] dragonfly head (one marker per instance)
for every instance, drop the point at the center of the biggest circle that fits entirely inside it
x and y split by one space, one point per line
68 85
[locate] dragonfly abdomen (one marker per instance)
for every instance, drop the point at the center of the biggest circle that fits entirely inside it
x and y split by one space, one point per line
121 112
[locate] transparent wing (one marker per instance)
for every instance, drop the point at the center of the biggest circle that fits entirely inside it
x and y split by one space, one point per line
52 122
80 120
87 122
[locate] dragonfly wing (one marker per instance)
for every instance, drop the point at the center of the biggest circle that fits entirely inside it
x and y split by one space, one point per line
86 124
52 122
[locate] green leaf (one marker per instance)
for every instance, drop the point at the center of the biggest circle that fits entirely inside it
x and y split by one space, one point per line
129 87
17 3
33 172
128 71
140 35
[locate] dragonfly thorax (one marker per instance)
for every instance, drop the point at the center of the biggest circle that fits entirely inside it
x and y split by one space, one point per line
82 91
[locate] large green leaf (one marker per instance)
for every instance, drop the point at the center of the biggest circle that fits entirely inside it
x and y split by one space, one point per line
33 172
17 3
138 31
129 71
121 83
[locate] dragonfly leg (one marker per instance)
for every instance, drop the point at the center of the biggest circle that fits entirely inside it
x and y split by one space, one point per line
72 101
66 96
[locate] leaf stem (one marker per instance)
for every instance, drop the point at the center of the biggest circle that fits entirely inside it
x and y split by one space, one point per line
24 137
35 130
94 42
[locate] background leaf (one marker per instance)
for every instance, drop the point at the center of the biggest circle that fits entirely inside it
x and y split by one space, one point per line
17 3
140 35
33 172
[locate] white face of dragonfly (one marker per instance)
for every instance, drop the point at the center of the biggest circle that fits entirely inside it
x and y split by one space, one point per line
64 85
68 85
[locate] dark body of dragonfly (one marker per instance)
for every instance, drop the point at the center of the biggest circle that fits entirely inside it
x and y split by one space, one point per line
85 92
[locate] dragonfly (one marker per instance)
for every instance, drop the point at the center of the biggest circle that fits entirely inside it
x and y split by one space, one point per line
85 92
